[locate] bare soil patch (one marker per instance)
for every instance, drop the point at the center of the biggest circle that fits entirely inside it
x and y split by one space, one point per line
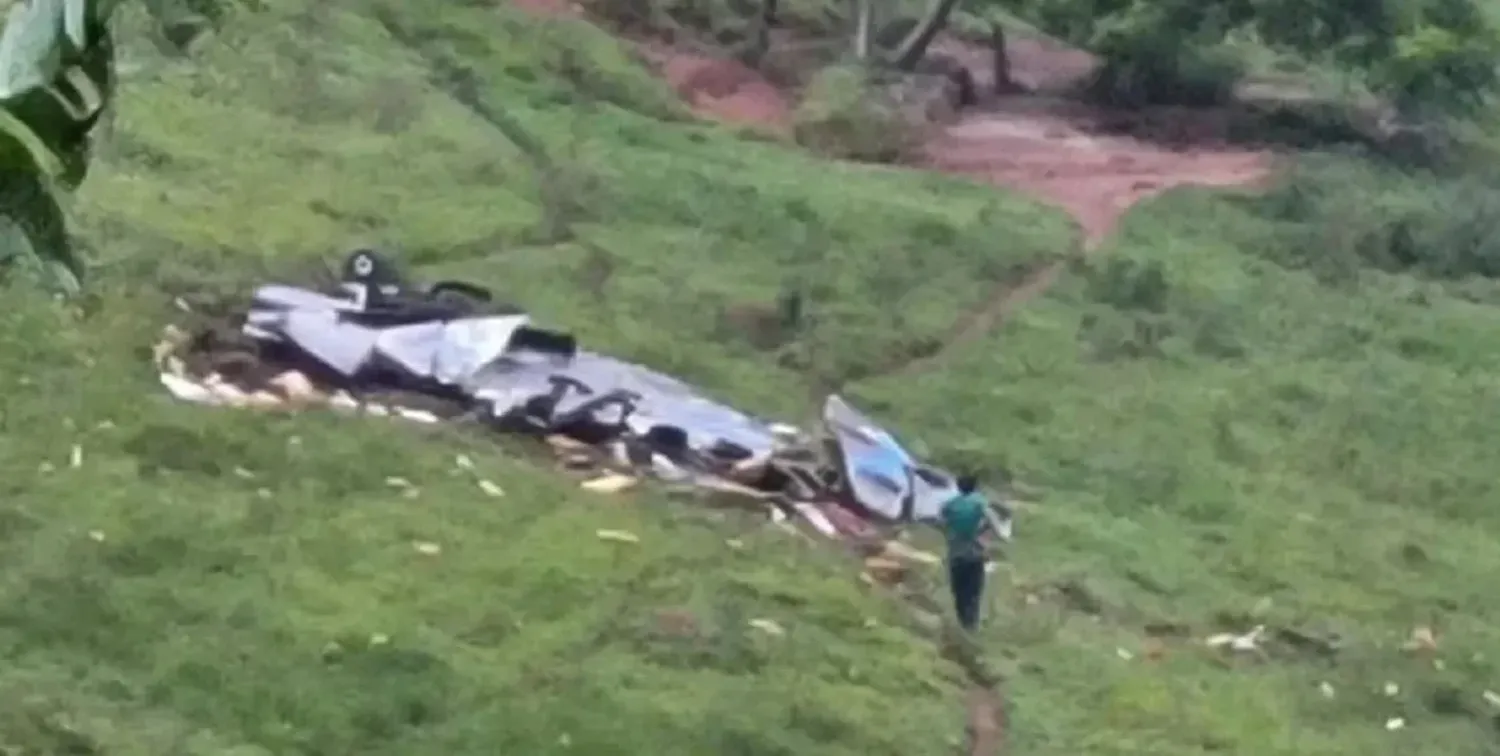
722 89
1062 153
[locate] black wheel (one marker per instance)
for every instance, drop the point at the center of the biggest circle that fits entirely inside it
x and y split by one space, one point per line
368 267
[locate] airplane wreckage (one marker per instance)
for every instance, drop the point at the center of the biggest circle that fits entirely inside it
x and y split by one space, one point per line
451 342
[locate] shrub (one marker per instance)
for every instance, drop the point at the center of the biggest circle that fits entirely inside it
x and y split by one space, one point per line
1334 216
1154 72
846 113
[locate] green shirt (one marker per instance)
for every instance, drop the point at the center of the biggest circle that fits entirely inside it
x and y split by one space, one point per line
964 521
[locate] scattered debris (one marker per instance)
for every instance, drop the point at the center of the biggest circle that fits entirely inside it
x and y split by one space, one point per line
97 536
610 483
816 518
885 569
416 415
619 536
1239 643
1423 639
563 443
769 627
490 488
427 547
463 462
1395 723
296 387
75 457
1391 690
451 346
902 551
1326 688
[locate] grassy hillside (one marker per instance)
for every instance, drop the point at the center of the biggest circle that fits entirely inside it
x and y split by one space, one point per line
1223 440
1242 446
182 589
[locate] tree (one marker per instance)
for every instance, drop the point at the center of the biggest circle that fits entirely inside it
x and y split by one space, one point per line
57 79
864 24
1422 54
914 47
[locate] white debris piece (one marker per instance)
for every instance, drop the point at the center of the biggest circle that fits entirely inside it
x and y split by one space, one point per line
815 516
1246 643
415 415
187 390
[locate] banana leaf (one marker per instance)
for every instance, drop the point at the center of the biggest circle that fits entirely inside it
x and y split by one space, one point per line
56 79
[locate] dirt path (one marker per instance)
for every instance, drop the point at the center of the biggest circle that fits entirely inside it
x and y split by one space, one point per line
1091 163
1054 151
986 715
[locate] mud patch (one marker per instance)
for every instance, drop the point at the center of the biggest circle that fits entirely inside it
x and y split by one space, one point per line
723 90
715 88
1066 155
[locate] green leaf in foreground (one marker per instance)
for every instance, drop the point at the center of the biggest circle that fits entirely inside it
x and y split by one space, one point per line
33 228
56 79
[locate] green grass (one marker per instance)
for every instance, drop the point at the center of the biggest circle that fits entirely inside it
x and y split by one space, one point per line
1282 453
1240 444
202 621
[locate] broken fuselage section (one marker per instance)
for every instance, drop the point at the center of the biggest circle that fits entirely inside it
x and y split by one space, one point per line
451 340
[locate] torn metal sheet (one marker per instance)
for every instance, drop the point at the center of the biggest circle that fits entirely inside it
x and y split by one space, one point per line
522 377
882 477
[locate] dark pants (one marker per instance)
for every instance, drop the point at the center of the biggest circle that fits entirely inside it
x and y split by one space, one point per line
966 576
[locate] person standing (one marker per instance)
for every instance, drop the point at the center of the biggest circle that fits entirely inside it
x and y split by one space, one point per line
966 518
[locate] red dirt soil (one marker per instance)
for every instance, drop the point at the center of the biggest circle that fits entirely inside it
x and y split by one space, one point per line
1055 149
1052 155
1044 147
722 90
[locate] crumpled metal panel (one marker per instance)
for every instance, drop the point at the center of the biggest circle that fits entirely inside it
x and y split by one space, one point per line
610 391
539 379
476 355
882 477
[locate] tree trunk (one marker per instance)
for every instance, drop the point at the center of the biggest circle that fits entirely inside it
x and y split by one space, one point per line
863 21
761 44
914 47
1003 84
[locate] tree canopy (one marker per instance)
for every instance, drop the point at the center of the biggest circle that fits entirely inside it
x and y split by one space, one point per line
1421 54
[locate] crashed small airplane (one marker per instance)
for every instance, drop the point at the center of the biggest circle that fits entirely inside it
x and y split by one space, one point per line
451 340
